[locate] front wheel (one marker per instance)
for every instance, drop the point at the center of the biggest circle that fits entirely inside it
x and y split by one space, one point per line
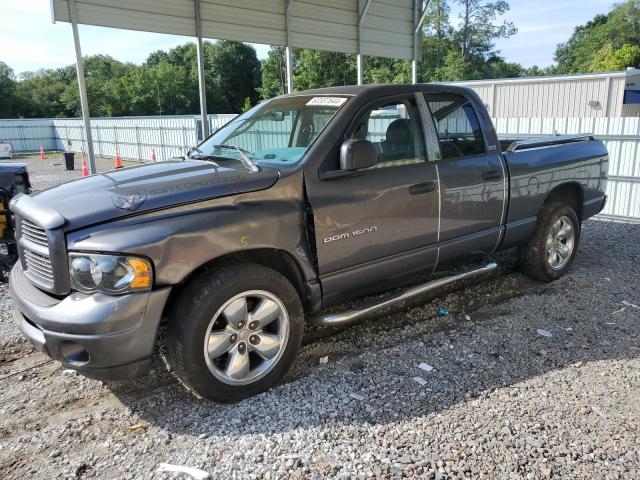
235 332
552 248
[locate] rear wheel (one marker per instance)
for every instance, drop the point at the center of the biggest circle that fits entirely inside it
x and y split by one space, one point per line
235 332
552 248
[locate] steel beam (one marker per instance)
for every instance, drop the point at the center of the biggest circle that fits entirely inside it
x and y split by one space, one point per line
420 13
361 18
82 87
201 80
288 52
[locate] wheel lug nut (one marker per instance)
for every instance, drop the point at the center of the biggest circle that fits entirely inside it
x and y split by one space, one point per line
233 338
253 325
240 324
254 339
242 347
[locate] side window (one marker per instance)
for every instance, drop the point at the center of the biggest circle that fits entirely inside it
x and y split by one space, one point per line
395 132
459 132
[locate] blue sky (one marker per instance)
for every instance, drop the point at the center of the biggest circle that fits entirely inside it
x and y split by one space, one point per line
29 41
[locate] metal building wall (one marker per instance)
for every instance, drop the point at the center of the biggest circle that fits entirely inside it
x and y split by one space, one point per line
586 96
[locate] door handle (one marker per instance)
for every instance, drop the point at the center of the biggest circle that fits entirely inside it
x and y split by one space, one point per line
422 188
492 175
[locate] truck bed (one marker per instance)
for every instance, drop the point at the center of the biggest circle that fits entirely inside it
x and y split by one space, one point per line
508 145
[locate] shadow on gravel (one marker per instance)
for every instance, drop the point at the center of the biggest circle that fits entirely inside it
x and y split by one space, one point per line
377 360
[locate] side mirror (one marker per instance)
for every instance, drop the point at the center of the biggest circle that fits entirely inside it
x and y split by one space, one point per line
357 154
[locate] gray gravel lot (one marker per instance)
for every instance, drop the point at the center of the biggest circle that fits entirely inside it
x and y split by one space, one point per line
502 400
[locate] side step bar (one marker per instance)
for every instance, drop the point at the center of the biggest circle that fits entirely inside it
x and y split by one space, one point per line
343 318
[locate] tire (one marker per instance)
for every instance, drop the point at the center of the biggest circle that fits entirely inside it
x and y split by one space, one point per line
537 257
212 307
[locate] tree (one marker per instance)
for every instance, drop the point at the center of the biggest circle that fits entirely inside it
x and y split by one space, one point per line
41 93
274 72
316 69
608 58
7 91
602 37
235 73
454 67
478 30
232 73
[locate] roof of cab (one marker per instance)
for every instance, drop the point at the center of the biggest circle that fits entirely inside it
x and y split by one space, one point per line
384 89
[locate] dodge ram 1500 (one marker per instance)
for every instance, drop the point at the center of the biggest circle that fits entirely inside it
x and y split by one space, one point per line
304 202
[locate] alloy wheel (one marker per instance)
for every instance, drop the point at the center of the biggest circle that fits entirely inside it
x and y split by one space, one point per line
246 337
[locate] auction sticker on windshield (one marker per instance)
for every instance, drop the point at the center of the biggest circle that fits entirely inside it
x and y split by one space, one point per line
327 101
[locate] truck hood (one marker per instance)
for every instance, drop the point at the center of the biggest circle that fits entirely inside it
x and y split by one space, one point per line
119 193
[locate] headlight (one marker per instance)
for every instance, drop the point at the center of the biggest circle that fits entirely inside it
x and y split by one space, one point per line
112 274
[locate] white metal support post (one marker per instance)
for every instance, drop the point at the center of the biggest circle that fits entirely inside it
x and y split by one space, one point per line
82 87
361 16
420 12
201 81
288 53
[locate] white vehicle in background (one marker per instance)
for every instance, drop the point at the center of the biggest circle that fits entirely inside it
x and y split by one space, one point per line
6 150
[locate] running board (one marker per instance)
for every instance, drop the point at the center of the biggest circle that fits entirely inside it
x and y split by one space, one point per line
342 318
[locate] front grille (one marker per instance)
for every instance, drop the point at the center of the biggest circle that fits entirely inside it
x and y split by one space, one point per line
39 265
34 241
34 234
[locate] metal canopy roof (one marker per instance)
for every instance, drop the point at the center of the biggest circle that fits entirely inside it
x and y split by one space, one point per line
382 28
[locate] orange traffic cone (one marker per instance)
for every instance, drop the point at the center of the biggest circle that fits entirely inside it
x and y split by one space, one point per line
42 155
153 155
85 168
117 161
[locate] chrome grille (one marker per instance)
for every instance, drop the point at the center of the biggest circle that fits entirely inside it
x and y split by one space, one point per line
33 233
35 253
39 264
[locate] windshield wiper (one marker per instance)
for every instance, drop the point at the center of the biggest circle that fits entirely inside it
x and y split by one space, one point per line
187 155
246 161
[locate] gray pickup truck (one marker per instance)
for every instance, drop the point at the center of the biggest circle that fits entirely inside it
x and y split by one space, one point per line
305 202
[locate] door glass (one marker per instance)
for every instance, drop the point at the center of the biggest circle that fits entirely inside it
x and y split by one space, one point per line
459 132
394 130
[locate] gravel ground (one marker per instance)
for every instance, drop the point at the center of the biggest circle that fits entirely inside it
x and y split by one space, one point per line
503 400
51 171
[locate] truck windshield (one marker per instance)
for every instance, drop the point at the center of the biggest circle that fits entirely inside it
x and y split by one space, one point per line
276 132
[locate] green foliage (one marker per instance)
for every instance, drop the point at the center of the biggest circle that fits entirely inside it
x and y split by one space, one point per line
478 27
7 91
247 104
605 43
608 58
316 69
167 84
273 70
234 75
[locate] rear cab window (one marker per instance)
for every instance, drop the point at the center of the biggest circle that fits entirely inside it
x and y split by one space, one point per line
457 126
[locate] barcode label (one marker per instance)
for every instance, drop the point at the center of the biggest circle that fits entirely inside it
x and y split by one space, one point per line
327 101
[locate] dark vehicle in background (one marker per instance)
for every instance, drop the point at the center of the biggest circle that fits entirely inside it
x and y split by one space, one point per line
303 203
14 179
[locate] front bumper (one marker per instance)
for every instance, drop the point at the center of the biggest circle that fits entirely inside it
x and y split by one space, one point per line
102 336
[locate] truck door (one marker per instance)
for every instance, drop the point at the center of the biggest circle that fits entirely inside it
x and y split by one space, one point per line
377 228
472 180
